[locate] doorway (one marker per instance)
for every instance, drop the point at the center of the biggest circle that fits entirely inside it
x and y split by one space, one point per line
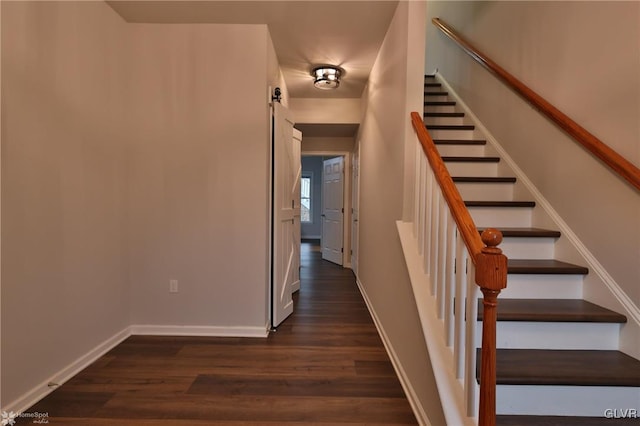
328 176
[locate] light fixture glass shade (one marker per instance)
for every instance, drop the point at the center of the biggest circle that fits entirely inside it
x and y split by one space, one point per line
326 77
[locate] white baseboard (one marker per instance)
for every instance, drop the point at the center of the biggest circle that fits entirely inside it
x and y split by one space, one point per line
43 389
199 330
416 406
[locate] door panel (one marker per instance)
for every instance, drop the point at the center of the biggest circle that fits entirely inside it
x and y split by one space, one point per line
295 196
285 258
355 215
332 209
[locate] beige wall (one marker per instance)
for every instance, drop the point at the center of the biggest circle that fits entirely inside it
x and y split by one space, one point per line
316 110
563 51
322 144
198 175
132 154
64 135
382 270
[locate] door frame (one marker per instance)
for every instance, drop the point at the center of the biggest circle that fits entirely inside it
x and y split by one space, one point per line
346 198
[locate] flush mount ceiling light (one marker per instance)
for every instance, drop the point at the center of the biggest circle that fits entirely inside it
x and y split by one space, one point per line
326 77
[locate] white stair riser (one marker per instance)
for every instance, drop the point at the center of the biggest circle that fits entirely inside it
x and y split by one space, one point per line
444 120
436 97
525 286
593 401
472 169
528 248
501 216
554 335
452 134
461 150
478 191
439 108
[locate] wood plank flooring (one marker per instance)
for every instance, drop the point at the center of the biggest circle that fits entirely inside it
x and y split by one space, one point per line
325 365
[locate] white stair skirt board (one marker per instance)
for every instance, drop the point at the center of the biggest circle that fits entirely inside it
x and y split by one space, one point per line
42 389
460 150
501 216
587 401
485 191
472 169
554 335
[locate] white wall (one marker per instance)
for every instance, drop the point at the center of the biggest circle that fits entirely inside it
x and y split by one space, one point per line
382 270
64 263
583 57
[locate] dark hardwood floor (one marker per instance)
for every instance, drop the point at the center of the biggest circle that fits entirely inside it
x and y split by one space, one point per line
325 365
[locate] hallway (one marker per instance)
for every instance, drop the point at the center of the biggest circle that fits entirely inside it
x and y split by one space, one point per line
325 364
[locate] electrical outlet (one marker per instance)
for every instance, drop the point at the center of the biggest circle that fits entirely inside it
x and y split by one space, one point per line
173 286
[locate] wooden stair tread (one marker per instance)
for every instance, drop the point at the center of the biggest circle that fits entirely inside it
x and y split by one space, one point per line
432 84
521 420
564 367
444 114
460 141
439 103
456 159
438 93
526 232
552 310
544 266
500 203
483 179
450 126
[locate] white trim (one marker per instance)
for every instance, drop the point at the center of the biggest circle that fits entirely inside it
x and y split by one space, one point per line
43 389
199 330
449 388
631 309
418 409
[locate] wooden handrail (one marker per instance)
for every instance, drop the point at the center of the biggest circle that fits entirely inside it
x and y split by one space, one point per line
490 263
623 167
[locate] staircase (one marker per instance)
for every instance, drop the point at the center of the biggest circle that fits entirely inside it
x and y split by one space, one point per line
557 360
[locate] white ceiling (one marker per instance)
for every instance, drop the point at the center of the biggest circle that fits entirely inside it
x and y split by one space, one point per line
304 32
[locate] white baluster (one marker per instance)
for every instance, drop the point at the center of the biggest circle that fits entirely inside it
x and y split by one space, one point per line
461 294
470 383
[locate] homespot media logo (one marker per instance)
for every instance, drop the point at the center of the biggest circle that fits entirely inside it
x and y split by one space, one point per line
621 413
9 419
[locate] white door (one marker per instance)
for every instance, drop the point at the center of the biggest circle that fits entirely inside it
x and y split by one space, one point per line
285 198
332 209
297 148
355 214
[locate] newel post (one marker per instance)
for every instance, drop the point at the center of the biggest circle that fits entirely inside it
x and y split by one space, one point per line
491 276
